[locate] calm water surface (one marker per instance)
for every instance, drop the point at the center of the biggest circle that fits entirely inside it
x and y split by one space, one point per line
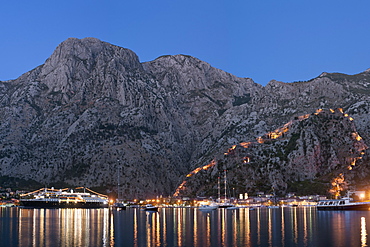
302 226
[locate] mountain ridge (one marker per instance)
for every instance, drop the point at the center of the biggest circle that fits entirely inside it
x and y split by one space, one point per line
93 109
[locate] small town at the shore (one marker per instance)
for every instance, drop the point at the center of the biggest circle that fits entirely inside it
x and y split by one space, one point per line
11 198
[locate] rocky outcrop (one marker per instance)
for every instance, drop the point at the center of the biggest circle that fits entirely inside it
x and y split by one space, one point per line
313 148
92 113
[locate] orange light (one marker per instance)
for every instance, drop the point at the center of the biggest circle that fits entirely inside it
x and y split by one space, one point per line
181 186
245 144
338 185
195 171
246 160
318 111
304 117
260 140
356 136
230 150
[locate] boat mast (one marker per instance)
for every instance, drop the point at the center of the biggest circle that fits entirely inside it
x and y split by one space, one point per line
225 185
219 189
118 181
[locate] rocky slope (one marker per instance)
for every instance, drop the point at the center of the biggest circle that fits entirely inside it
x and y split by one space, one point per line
309 151
92 113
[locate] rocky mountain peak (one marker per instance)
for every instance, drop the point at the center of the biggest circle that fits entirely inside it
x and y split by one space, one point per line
75 61
92 49
93 109
192 74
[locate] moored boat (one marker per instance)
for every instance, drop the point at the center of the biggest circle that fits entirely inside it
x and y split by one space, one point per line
226 205
150 207
232 208
7 204
119 205
207 207
64 198
342 204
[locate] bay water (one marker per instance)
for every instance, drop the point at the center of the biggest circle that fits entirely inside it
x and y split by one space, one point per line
285 226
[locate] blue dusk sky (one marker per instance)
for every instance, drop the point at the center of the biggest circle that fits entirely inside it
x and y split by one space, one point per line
261 39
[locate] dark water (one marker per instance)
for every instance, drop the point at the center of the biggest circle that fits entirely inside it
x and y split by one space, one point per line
302 226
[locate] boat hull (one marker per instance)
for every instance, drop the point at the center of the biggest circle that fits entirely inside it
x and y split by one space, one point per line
119 205
348 206
345 207
151 209
207 208
48 204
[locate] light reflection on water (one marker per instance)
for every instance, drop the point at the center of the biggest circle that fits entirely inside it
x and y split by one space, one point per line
298 226
363 231
56 227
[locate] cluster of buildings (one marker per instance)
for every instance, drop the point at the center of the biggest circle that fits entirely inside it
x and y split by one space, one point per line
258 200
9 197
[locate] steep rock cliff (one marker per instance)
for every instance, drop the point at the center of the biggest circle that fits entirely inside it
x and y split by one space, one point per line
92 110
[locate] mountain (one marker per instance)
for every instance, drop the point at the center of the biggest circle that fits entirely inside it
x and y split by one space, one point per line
308 151
92 113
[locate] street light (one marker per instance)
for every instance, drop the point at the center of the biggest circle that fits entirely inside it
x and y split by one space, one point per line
362 196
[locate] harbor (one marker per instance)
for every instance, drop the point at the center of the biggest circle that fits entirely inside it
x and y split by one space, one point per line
183 226
82 197
66 217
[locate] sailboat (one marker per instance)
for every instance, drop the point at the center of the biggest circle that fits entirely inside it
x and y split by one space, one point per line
118 204
226 203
